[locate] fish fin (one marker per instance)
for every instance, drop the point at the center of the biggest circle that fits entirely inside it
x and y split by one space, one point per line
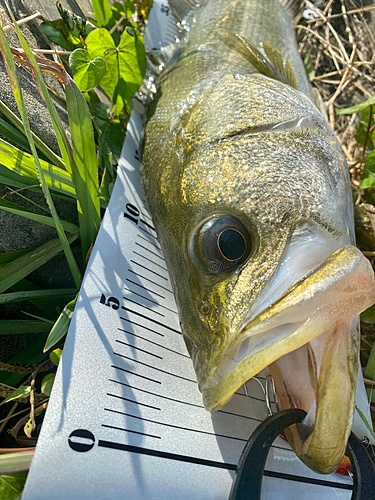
181 8
318 101
283 71
271 64
294 7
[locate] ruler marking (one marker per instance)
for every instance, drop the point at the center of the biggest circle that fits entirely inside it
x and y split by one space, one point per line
150 251
149 260
139 349
163 454
219 465
149 270
145 307
128 430
147 216
145 231
308 480
239 415
144 288
153 301
150 319
131 401
154 368
145 327
147 224
198 431
147 279
157 395
151 342
150 242
136 374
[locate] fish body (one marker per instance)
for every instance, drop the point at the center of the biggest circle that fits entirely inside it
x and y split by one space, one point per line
249 190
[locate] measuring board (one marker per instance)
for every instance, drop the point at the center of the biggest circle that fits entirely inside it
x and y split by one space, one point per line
125 419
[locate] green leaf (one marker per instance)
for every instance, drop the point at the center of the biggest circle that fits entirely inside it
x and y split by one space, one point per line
24 164
11 485
13 76
88 72
21 392
125 64
130 8
103 13
85 168
22 326
47 383
368 175
47 152
19 268
118 11
77 26
42 219
357 107
309 67
369 373
366 121
55 356
58 33
365 421
61 326
7 298
368 316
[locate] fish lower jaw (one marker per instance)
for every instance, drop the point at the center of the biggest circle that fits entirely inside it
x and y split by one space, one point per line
335 293
247 359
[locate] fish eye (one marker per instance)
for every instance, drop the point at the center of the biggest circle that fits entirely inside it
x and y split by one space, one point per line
221 244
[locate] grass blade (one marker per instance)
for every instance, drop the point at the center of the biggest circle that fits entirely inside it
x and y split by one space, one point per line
13 135
85 167
19 268
56 160
11 479
25 165
356 108
7 257
42 219
61 326
22 326
60 134
7 298
12 72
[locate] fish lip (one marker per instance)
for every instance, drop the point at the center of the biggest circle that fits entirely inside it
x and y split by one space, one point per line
347 276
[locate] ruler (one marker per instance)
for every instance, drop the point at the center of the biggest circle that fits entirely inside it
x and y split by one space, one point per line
125 418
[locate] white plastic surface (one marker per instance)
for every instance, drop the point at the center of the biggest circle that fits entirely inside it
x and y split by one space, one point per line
125 418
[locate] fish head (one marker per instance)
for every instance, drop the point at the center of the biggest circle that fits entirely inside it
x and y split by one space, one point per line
255 217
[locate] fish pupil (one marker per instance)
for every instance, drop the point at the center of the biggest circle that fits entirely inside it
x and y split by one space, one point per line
231 244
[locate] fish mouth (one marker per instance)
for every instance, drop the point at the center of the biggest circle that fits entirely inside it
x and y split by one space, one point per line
321 306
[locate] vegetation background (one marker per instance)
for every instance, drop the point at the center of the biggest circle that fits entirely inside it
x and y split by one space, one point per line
59 149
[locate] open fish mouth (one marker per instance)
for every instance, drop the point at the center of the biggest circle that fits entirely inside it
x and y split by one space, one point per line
316 322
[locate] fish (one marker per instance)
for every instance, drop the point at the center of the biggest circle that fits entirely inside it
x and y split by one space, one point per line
250 194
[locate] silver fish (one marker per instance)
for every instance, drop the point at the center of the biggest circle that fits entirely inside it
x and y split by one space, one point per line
250 194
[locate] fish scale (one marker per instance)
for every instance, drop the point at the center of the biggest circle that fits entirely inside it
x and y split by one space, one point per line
230 140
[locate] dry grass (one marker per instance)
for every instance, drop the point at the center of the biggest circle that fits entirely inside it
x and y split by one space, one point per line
340 42
342 49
